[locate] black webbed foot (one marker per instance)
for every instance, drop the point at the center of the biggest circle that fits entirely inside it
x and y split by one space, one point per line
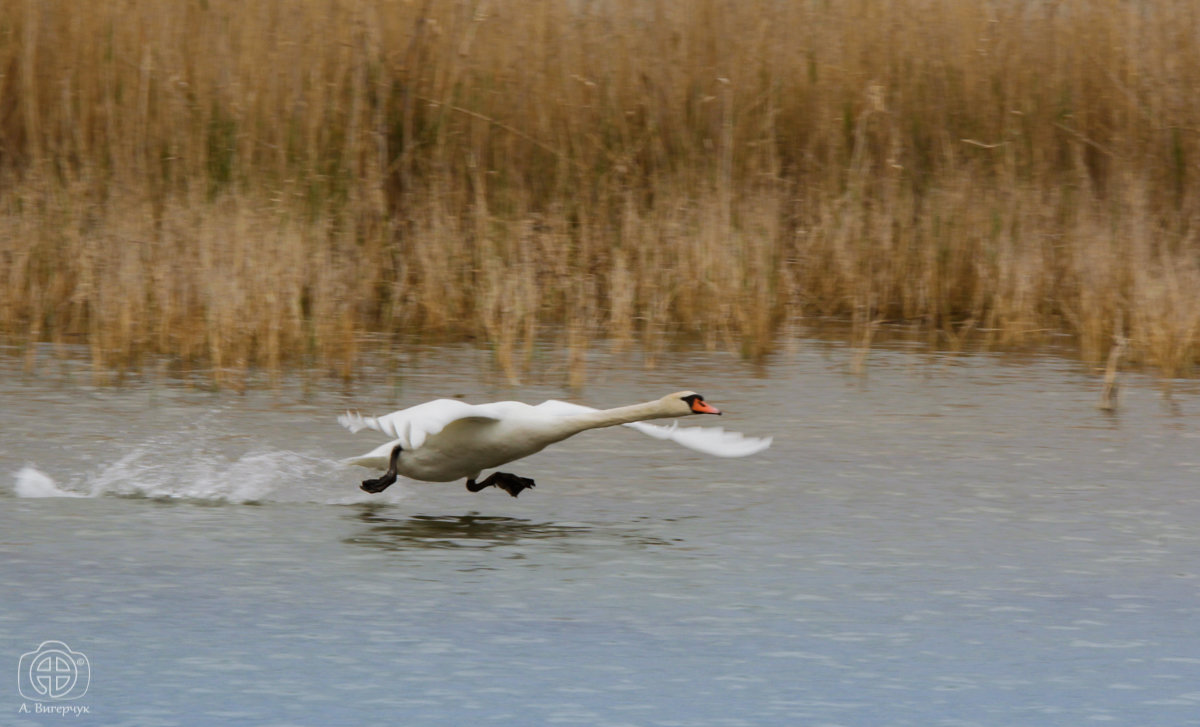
514 484
510 483
379 484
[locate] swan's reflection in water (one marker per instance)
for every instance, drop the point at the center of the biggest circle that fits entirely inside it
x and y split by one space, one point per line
473 530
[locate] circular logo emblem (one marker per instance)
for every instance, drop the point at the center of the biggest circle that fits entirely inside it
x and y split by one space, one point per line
53 673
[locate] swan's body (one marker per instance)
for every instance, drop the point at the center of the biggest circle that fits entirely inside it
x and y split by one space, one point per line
446 439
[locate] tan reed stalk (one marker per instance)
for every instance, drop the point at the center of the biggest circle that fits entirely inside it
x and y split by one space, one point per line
1110 392
237 185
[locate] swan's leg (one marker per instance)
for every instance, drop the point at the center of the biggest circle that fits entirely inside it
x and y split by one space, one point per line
510 483
382 483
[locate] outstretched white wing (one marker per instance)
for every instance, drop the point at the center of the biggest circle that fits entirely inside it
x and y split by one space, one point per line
709 440
412 426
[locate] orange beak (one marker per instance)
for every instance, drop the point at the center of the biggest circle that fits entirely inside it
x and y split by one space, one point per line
701 407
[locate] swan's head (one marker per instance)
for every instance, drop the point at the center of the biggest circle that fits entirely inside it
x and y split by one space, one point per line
689 402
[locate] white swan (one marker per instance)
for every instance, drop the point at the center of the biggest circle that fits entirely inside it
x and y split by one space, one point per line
445 439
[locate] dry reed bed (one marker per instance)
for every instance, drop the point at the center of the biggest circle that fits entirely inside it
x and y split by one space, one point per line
249 184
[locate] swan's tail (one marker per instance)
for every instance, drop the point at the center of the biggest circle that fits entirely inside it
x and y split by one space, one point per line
375 459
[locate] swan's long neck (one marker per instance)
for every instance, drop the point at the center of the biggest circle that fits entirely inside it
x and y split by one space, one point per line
621 415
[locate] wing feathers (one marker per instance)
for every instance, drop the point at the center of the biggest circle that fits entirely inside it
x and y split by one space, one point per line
709 440
356 422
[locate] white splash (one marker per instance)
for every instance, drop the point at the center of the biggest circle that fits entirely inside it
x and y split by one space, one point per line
252 477
32 482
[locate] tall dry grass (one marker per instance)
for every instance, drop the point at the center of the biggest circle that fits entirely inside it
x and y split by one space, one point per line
249 184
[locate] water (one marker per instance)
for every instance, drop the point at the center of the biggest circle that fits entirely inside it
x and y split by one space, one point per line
947 541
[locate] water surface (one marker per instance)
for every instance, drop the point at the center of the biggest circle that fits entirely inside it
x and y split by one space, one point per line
949 540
